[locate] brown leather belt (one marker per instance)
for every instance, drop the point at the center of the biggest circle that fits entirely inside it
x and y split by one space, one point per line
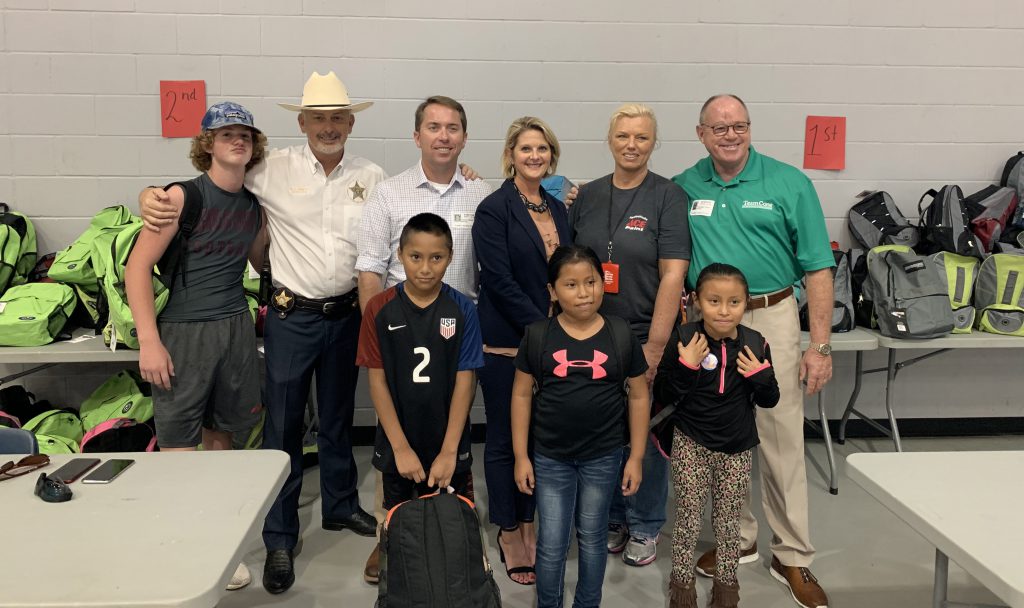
768 299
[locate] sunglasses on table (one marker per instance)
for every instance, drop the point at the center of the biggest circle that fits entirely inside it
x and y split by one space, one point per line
27 464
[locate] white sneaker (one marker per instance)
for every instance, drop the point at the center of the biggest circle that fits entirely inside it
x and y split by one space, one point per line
240 578
640 551
618 536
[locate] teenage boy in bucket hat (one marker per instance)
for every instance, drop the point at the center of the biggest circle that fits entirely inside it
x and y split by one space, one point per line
200 356
313 195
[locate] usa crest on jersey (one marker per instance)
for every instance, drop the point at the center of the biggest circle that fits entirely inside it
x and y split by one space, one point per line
447 328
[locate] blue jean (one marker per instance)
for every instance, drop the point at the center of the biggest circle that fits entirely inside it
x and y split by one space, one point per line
571 491
644 512
506 505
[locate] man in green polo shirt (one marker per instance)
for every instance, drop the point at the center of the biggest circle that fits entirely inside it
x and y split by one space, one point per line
763 216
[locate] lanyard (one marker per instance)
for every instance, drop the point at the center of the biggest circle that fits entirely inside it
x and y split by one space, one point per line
629 207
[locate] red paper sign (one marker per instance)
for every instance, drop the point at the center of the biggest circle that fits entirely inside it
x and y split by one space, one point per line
825 143
182 105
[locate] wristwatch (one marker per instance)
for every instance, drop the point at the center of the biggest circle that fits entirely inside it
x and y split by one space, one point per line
823 349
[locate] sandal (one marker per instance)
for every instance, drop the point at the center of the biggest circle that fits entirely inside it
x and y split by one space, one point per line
517 569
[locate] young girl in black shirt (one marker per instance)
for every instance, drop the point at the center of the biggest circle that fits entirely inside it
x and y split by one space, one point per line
577 423
714 371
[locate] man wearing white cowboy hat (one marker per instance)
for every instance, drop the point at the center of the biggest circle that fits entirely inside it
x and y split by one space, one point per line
313 195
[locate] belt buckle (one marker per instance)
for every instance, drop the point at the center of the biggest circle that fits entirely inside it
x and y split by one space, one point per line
328 307
765 296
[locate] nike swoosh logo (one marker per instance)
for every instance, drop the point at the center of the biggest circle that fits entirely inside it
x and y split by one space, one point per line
394 327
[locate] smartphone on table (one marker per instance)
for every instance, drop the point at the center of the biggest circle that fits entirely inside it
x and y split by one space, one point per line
108 471
74 468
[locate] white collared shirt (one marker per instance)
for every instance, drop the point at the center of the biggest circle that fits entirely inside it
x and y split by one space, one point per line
313 218
395 200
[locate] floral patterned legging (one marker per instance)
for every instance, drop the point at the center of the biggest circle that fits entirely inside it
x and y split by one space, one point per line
696 470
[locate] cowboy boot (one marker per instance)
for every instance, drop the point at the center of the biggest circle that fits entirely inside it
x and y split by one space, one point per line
723 595
682 595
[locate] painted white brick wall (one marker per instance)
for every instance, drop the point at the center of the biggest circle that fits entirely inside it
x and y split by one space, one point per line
933 91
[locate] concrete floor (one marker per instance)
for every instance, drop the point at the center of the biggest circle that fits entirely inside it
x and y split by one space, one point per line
866 556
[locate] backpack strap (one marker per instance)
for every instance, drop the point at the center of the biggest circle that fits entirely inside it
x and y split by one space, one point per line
536 337
622 341
175 258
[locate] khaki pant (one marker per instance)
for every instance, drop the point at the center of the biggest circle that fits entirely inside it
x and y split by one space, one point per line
781 452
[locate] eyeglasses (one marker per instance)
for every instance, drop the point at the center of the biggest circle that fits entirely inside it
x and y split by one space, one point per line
738 128
52 489
26 465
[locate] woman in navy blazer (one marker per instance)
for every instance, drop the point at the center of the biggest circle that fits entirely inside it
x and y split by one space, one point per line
515 231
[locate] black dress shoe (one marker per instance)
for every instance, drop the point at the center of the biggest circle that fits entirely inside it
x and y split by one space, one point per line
360 522
278 571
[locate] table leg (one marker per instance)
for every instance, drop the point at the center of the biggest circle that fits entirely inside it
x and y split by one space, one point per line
833 486
890 380
858 376
941 586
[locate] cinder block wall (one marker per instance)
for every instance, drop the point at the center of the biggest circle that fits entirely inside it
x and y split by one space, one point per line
933 92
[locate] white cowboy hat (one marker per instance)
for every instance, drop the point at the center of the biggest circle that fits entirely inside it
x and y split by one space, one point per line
325 93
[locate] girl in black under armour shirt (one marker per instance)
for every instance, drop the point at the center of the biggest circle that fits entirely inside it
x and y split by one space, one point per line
577 422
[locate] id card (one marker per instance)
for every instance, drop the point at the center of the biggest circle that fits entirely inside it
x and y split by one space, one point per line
611 277
702 207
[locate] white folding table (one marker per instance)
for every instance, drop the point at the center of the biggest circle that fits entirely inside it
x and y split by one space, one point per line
169 531
967 504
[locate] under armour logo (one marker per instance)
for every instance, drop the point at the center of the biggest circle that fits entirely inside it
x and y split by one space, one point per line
562 358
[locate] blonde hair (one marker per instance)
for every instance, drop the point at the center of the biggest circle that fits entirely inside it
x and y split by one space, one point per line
516 129
203 160
632 110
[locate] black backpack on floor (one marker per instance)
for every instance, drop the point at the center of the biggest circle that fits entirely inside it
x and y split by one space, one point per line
432 556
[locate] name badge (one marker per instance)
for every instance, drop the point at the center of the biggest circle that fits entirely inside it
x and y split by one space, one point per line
298 190
462 220
611 277
702 207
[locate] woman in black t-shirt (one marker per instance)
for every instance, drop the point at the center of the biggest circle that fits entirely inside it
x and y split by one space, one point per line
580 361
714 371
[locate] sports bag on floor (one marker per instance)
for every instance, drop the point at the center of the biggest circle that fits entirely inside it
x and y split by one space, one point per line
34 314
876 220
944 223
119 435
432 556
123 395
908 293
960 272
999 295
57 423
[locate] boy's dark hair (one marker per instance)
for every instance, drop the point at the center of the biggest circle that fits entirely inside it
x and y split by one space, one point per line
429 223
571 254
718 270
440 100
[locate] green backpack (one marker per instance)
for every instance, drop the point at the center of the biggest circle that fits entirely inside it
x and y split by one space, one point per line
57 423
113 299
123 395
999 295
34 314
960 272
75 263
52 444
17 248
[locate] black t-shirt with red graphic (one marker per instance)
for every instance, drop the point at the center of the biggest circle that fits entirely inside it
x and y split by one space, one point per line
650 223
580 413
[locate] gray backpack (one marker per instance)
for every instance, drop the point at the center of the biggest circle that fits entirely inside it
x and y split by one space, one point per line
1013 174
999 295
909 294
842 298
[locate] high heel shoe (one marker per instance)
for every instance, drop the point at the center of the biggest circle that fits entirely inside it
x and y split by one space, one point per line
517 569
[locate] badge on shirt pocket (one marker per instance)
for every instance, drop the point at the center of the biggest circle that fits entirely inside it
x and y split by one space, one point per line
702 207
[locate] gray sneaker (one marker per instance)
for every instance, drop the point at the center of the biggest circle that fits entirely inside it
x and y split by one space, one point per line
618 536
640 551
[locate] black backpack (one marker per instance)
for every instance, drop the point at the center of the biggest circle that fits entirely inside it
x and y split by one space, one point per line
432 556
945 225
876 220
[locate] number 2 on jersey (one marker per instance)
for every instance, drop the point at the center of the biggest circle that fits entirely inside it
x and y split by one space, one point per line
416 375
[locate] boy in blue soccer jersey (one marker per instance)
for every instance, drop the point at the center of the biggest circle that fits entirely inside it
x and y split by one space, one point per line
420 341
